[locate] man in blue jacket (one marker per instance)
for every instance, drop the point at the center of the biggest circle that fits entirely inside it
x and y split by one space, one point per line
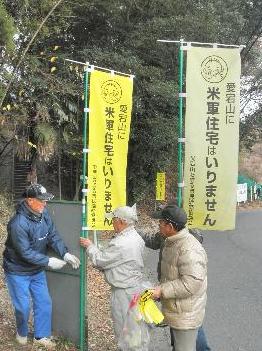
30 233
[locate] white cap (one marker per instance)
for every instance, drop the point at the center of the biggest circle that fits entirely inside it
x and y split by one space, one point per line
126 213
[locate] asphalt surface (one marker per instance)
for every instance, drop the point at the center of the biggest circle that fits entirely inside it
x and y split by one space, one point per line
234 310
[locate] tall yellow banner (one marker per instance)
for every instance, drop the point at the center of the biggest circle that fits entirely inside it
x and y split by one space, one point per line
212 135
109 125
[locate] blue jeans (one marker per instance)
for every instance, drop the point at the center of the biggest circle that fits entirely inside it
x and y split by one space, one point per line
201 342
21 288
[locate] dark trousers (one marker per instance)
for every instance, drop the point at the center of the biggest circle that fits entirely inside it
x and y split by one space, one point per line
201 342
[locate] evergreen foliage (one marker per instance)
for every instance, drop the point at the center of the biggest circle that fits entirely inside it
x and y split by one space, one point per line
121 35
7 30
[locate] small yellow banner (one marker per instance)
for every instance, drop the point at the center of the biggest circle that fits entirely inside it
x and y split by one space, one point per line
160 186
212 134
109 125
148 308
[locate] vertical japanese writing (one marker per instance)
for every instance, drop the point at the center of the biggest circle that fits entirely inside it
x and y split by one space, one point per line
122 122
110 107
93 195
109 154
211 164
211 137
160 186
191 201
230 103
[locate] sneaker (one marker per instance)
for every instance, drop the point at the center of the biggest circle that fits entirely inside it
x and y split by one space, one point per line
46 342
22 340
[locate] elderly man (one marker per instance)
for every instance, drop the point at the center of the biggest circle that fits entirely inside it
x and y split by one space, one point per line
157 242
30 233
183 279
121 261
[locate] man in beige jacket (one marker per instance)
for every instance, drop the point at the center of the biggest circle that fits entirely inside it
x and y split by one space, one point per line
183 283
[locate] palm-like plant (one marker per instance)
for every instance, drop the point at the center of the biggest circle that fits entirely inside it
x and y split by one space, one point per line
46 139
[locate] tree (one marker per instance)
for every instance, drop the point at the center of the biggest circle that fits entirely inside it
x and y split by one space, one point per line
33 95
120 35
7 30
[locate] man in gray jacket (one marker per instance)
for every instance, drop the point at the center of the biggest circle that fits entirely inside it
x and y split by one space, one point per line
121 262
183 279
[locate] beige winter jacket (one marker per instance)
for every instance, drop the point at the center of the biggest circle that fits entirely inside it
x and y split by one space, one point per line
183 281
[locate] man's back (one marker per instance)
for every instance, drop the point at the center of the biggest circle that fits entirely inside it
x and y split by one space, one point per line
122 261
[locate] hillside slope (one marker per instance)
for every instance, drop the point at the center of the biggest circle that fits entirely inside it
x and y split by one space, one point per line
250 163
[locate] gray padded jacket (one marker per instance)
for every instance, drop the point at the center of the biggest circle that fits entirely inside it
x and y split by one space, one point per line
183 281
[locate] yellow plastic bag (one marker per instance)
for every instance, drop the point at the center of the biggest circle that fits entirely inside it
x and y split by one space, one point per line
149 309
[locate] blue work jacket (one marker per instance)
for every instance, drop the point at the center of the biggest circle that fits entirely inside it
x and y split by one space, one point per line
29 237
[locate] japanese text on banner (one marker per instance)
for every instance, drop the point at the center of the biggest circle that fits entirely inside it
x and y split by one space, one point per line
211 131
160 186
109 125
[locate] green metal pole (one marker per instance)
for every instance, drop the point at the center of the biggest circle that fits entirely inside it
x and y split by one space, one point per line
84 231
180 126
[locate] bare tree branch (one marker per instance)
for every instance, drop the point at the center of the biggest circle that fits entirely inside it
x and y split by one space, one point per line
6 145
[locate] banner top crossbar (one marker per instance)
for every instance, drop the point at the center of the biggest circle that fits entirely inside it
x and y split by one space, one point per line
92 67
182 42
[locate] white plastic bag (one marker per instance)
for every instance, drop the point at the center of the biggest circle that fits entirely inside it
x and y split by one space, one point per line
135 335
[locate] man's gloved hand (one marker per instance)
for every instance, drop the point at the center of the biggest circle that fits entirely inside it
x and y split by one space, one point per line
56 263
73 260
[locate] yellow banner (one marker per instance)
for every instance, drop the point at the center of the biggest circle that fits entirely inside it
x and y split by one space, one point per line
109 125
212 135
160 186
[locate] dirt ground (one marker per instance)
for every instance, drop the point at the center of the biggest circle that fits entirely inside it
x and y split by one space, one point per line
100 330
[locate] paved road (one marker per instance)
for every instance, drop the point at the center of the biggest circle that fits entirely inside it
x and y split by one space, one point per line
234 311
